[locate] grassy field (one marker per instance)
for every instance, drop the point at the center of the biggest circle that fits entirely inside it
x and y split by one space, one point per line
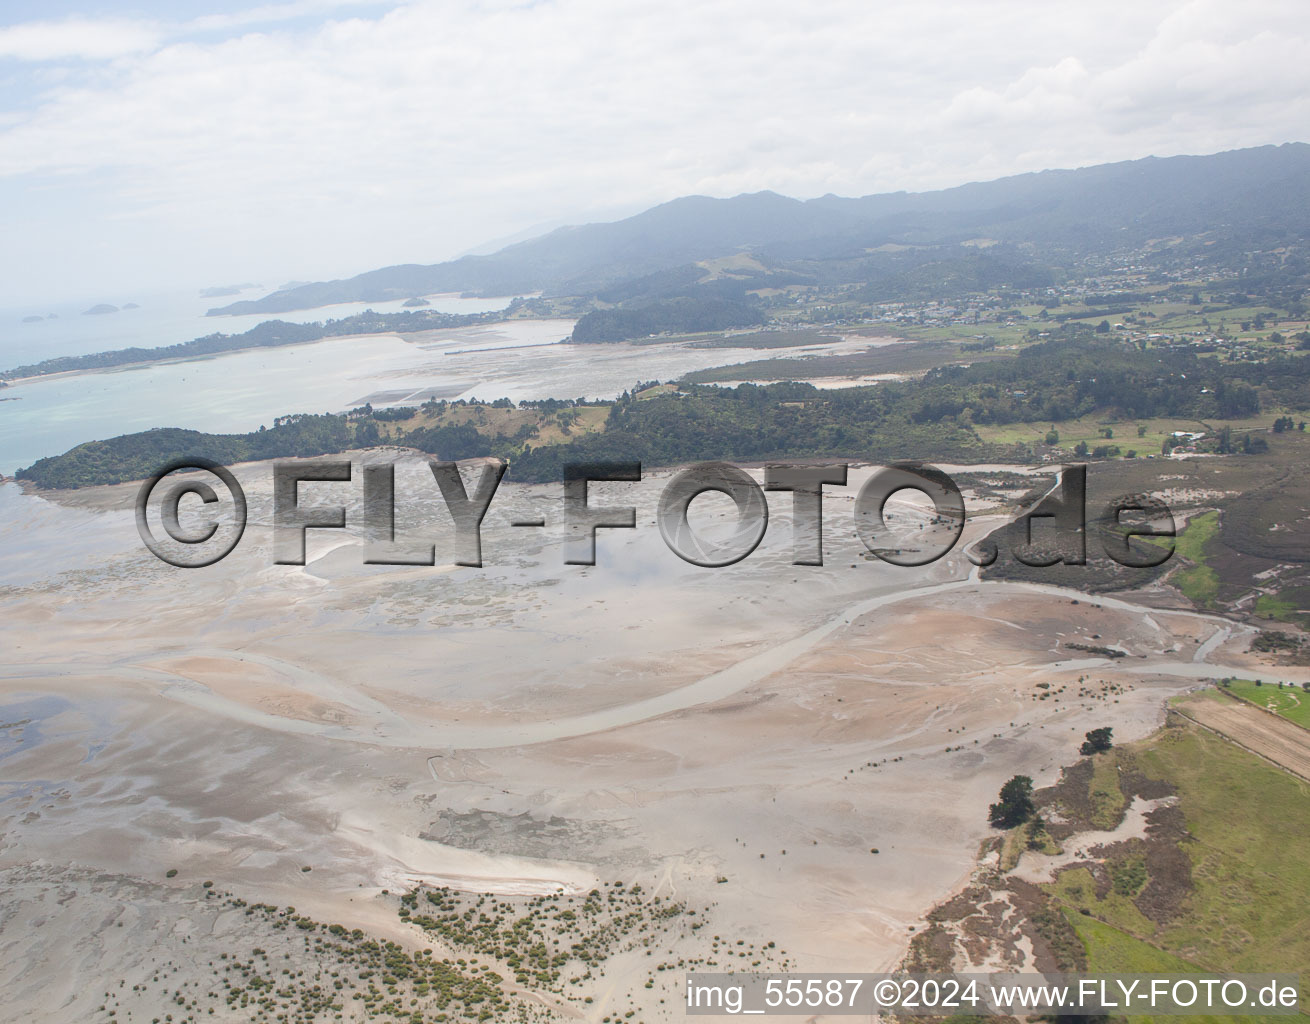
1291 702
1090 430
909 359
1250 870
1111 950
1241 901
759 339
1002 335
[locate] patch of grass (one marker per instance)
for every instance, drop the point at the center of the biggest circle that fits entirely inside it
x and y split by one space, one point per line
1287 605
1211 694
908 359
765 339
1112 951
654 391
1199 583
550 428
1267 606
1037 838
1088 429
1128 876
1291 702
1076 890
1001 334
1106 797
1012 847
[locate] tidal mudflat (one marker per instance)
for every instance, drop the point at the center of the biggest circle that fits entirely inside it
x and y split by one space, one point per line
803 754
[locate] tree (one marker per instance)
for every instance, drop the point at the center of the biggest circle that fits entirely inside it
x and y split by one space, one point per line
1097 741
1080 449
1015 805
1052 436
1103 327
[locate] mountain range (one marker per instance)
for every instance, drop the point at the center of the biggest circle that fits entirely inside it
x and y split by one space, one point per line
1252 197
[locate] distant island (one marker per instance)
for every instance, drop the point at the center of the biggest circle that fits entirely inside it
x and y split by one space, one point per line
270 334
416 301
33 319
102 309
222 291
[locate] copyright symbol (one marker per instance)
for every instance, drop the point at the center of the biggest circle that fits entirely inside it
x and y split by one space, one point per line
887 992
197 538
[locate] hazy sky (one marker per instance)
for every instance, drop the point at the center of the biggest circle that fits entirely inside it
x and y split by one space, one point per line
142 150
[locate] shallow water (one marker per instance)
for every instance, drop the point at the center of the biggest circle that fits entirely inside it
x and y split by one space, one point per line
239 391
166 319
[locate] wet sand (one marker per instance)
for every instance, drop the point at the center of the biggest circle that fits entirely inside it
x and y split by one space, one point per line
682 725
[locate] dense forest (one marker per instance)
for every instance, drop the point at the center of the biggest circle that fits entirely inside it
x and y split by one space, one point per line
932 418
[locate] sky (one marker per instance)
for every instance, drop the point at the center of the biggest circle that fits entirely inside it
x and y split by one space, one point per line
154 145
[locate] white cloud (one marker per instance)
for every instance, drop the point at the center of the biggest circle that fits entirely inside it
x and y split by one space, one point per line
273 13
83 38
415 133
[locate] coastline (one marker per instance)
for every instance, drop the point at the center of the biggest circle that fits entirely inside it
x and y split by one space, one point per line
205 358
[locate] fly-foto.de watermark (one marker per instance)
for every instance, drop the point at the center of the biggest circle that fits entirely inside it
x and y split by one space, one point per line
893 996
206 538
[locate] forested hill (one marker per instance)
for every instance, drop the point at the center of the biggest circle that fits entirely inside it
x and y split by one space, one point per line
684 314
1229 197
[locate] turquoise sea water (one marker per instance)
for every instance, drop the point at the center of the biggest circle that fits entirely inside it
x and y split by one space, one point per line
235 392
164 319
239 391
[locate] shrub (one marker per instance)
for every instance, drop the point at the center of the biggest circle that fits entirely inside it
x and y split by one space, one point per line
1015 805
1097 741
